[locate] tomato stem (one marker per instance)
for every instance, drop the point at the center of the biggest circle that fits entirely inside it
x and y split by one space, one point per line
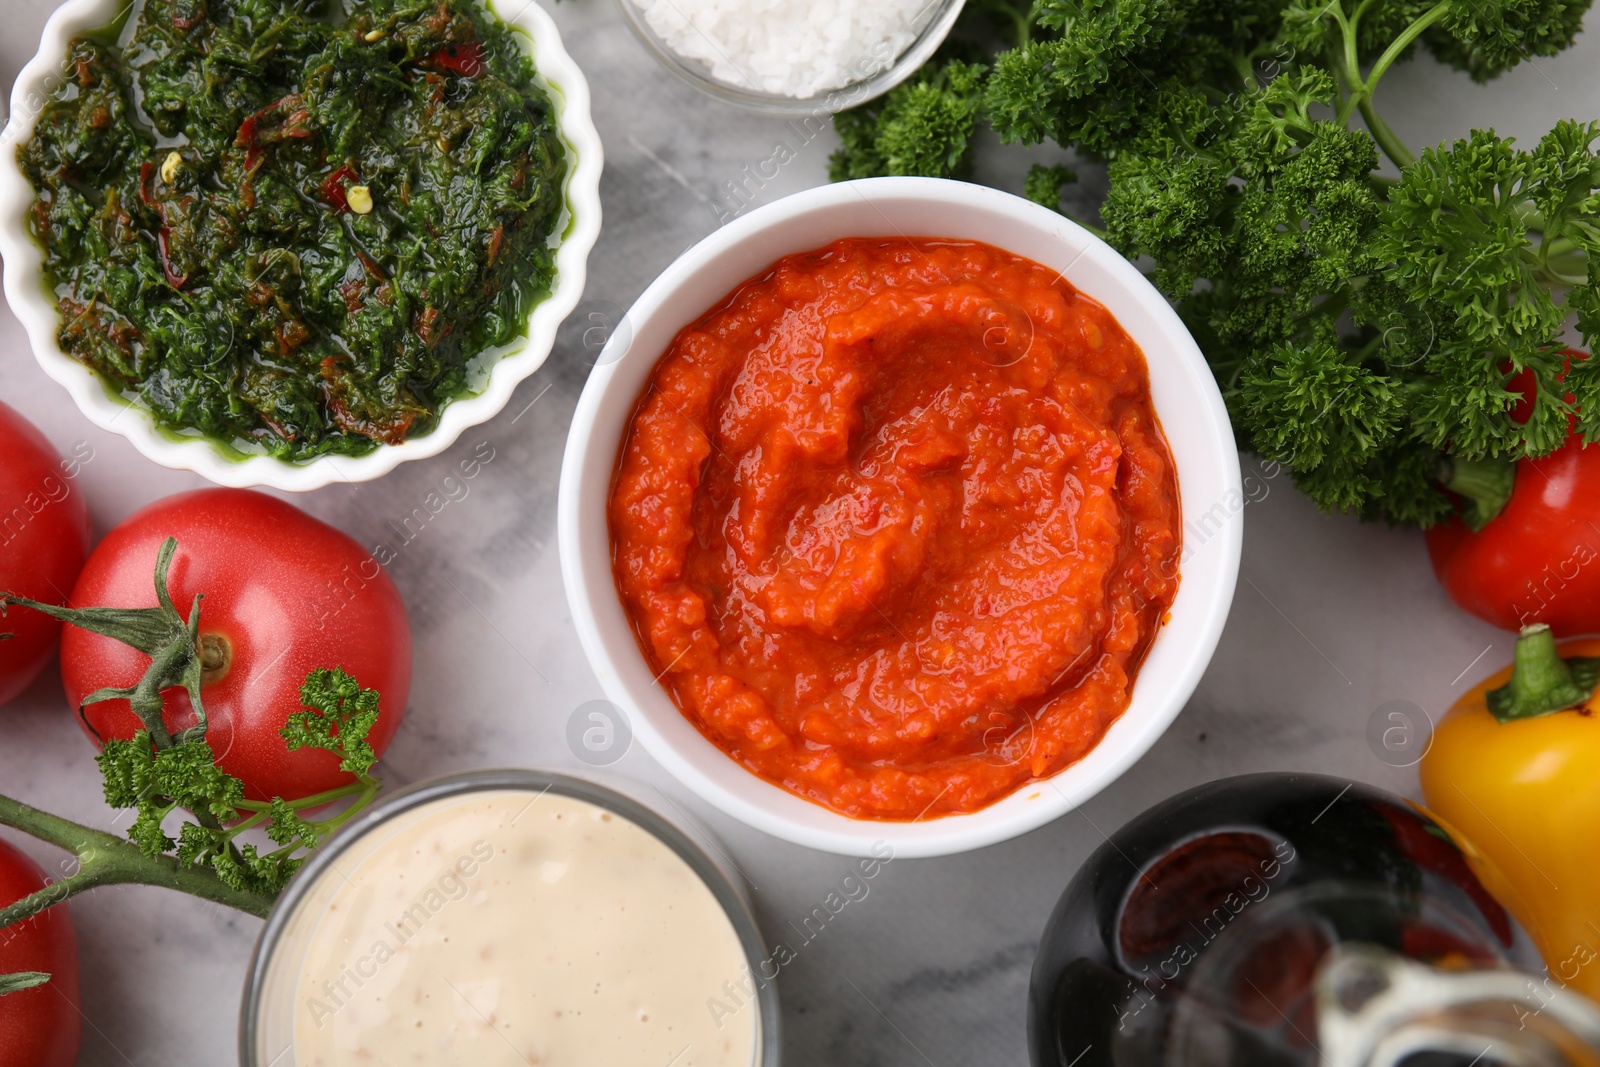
216 653
104 859
172 643
16 983
1484 486
1541 681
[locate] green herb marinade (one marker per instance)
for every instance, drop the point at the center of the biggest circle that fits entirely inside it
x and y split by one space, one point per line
292 227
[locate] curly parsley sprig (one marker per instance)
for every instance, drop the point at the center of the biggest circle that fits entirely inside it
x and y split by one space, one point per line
156 782
157 774
1371 332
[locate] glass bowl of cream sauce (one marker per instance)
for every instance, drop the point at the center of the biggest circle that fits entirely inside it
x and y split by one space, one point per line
510 916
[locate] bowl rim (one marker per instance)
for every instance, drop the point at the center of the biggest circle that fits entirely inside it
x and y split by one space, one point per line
30 302
583 529
614 796
692 72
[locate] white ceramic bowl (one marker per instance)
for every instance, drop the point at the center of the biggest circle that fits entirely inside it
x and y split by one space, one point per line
1186 400
33 304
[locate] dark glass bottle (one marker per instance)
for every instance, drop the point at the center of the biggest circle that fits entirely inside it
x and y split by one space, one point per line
1287 919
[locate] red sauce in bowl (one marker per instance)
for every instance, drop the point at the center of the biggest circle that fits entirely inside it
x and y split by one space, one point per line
896 524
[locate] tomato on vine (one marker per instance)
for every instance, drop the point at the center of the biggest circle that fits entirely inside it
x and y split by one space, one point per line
279 594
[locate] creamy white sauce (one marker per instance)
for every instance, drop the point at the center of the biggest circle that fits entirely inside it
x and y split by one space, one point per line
513 927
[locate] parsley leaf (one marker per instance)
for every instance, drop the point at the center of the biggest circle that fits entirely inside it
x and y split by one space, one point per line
157 782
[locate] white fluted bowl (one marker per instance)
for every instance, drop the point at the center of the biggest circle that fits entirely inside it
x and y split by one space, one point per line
33 303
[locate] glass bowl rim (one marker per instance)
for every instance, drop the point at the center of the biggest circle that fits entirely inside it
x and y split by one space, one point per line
673 834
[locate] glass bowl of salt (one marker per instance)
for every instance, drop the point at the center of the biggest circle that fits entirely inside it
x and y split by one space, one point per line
793 56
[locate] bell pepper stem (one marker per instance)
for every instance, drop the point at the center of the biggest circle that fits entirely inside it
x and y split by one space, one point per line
1541 681
1484 486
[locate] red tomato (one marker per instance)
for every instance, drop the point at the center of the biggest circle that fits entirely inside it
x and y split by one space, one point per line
283 593
44 537
42 1026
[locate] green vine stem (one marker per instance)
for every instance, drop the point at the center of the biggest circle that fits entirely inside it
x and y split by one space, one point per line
107 860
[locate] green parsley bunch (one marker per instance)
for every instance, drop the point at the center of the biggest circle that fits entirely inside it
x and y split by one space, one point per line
1363 328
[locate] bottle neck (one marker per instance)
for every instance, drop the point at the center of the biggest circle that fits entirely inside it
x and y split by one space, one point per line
1378 1009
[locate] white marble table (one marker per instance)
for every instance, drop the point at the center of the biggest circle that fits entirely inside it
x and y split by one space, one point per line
1332 619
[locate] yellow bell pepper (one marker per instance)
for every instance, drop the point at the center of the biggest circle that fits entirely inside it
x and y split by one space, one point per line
1513 775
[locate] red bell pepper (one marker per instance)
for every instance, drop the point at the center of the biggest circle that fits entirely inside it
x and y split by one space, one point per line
1526 547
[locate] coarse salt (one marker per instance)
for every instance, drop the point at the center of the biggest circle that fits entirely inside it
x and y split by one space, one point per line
797 48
